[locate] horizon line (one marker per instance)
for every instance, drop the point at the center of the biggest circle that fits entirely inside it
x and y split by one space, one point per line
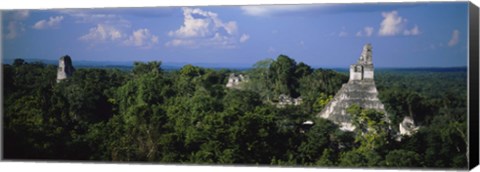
202 64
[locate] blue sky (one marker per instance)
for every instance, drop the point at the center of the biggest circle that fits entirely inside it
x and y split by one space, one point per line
321 35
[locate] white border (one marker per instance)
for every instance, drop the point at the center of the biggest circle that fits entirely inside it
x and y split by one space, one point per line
51 4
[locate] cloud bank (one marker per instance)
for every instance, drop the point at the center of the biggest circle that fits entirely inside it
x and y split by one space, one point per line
52 22
15 27
142 38
205 28
393 24
367 31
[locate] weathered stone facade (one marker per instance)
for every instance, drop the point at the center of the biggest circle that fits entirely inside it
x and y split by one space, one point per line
284 100
360 90
236 81
407 126
363 70
65 68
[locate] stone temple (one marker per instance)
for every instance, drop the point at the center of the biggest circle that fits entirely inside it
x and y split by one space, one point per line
236 81
65 68
360 90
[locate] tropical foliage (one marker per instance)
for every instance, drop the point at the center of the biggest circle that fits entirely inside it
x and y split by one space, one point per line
189 116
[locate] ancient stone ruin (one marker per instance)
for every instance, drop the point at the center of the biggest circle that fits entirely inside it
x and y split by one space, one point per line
236 81
284 100
360 90
65 68
407 126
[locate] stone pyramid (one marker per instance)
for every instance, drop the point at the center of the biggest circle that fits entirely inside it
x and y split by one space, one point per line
65 68
360 90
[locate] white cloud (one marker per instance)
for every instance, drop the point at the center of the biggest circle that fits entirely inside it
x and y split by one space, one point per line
142 38
205 28
220 40
244 37
110 28
455 38
413 31
50 23
192 27
392 24
367 31
15 27
102 33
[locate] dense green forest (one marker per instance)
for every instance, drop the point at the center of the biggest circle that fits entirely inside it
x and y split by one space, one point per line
189 116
